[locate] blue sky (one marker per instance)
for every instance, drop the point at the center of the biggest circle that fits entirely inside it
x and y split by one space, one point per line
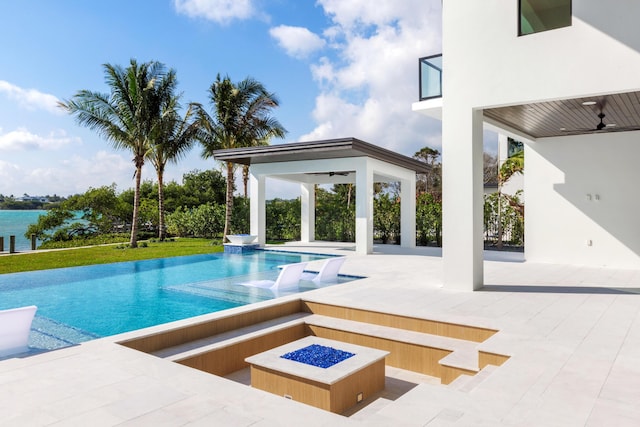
340 68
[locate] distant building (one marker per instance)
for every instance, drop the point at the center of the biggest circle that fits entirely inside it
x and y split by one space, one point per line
28 198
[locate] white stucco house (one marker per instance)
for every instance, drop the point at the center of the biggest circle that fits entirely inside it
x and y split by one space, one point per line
563 76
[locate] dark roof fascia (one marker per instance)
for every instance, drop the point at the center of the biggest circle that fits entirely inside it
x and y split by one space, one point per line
351 146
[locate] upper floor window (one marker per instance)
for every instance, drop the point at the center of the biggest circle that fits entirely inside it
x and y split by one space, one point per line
543 15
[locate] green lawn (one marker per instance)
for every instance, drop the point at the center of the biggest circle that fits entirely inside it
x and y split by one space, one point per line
104 254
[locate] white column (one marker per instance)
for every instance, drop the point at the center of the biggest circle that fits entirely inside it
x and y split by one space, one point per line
258 207
364 207
462 197
308 212
408 212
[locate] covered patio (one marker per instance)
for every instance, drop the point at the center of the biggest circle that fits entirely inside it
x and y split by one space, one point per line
336 161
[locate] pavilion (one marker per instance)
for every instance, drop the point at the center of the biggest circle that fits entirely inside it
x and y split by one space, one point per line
335 161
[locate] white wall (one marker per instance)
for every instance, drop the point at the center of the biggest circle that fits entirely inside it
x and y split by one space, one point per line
485 64
560 217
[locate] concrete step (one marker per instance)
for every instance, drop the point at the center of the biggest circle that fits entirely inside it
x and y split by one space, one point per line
463 354
467 383
191 348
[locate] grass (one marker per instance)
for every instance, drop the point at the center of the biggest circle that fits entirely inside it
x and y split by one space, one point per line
44 260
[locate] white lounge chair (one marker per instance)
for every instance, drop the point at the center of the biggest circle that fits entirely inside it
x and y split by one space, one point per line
287 279
328 272
15 325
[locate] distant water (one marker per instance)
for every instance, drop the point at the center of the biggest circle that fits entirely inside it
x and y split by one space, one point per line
15 223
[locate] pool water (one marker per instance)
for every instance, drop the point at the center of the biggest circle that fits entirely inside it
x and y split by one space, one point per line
82 303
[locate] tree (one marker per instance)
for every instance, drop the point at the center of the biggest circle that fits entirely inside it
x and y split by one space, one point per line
513 165
174 138
430 182
98 211
128 117
490 168
241 118
245 168
202 187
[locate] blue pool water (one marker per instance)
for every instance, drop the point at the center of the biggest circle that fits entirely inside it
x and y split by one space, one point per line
82 303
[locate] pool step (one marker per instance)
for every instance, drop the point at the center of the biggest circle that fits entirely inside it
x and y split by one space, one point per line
47 334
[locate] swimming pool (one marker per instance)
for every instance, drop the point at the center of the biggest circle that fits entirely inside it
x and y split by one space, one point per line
82 303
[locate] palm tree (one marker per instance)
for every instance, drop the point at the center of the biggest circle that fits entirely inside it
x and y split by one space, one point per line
245 168
174 138
127 117
240 119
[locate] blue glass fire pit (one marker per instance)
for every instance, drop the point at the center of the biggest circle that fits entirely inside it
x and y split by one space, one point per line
318 355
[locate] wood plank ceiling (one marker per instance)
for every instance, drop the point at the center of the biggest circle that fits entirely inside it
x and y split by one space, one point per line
572 117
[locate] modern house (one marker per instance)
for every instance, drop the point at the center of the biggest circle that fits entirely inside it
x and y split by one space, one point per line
562 76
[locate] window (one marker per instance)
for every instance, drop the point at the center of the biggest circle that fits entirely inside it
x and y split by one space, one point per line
514 147
543 15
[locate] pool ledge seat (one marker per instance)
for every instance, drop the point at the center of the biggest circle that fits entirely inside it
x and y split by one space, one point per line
288 278
328 272
15 325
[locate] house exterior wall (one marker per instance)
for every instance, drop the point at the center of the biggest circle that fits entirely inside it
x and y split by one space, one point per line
486 64
582 189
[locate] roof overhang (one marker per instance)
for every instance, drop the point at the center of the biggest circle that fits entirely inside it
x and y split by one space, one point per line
575 116
318 150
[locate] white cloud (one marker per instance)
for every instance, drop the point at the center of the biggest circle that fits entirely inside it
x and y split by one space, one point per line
30 99
220 11
298 42
22 139
71 176
9 177
368 86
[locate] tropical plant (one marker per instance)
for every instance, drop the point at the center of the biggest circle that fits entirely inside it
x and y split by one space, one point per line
513 165
283 219
174 138
127 117
241 117
428 220
386 216
335 215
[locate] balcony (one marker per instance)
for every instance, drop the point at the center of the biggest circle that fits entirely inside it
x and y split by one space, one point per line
430 77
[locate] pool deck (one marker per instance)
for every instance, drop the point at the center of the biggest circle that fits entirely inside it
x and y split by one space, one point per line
573 334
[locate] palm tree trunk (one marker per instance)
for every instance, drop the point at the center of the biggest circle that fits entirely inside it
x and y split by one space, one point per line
245 178
161 226
133 242
229 202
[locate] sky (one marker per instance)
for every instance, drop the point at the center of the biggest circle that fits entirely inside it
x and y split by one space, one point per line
340 68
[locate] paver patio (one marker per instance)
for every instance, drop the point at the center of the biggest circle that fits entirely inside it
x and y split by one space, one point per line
573 334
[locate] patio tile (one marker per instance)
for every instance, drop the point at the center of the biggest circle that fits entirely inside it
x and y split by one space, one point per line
573 334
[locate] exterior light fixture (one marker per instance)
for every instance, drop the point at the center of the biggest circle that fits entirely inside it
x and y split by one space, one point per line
586 103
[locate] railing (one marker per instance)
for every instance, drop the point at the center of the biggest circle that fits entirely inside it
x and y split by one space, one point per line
430 77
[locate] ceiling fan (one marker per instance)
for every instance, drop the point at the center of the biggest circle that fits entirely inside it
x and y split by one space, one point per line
341 173
601 125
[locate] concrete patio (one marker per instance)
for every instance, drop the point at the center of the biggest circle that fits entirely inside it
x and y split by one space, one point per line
573 334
